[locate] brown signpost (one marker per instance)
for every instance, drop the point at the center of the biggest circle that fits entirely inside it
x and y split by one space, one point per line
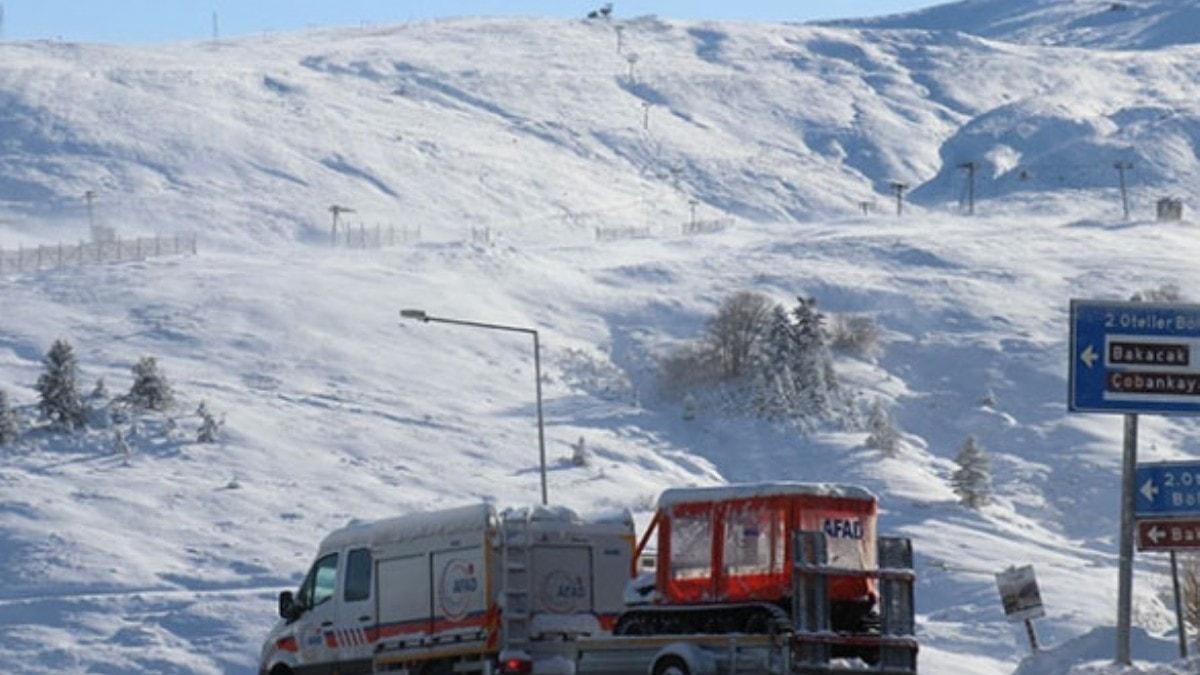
1168 534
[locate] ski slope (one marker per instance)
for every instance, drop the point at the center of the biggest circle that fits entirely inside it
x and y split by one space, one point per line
169 563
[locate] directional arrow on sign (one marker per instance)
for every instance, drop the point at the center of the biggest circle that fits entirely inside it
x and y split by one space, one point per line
1089 356
1149 491
1155 535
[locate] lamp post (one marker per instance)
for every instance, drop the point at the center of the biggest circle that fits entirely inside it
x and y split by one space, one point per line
423 317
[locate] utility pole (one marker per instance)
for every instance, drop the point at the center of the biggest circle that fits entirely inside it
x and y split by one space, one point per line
1121 168
1125 550
899 189
693 202
646 115
216 27
632 59
620 37
970 168
90 197
337 211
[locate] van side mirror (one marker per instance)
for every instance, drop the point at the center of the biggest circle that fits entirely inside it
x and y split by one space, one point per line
288 609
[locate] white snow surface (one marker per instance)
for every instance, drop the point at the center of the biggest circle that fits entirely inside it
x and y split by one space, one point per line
747 490
337 411
1098 24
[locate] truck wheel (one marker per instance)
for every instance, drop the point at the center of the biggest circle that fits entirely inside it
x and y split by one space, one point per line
671 665
281 670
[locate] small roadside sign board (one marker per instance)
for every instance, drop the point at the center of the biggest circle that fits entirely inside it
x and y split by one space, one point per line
1019 593
1167 489
1169 534
1134 357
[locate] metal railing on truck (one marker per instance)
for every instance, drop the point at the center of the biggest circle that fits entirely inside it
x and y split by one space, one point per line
893 649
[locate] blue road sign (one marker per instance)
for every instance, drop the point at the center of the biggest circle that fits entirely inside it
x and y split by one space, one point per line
1134 357
1168 489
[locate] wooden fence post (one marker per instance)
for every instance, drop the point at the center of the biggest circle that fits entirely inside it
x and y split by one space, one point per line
138 249
39 257
157 245
193 243
60 252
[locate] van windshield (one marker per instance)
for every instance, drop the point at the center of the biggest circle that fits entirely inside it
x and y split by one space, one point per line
319 585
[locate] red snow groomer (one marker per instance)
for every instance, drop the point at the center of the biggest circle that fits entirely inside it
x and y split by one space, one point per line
725 561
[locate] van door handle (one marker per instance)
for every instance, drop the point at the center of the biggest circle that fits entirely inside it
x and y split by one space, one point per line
326 624
364 617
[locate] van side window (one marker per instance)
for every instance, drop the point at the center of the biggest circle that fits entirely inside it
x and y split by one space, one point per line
358 575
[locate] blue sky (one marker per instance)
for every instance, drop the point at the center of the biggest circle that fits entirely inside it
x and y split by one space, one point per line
148 21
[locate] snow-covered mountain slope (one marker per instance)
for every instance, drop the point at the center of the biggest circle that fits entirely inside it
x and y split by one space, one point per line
532 128
1098 24
252 140
338 411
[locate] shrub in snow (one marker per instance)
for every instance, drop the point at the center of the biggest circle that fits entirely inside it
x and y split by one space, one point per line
972 481
730 336
854 335
58 388
689 407
1164 293
121 446
210 427
9 428
687 368
150 389
99 392
761 359
579 453
883 435
989 399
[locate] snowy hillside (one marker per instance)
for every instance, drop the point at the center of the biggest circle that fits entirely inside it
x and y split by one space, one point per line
1098 24
252 140
169 562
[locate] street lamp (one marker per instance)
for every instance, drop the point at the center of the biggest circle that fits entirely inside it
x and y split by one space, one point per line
420 315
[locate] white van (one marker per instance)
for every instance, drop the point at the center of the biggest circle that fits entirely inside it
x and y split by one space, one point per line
425 593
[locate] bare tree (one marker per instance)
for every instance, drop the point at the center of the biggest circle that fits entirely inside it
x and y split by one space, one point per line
731 334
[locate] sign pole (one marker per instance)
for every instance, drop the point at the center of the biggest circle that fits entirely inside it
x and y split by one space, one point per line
1183 650
1033 638
1125 584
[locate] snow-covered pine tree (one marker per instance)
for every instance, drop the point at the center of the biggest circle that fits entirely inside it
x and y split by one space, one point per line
773 385
883 435
58 388
813 365
210 427
150 388
972 481
10 430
